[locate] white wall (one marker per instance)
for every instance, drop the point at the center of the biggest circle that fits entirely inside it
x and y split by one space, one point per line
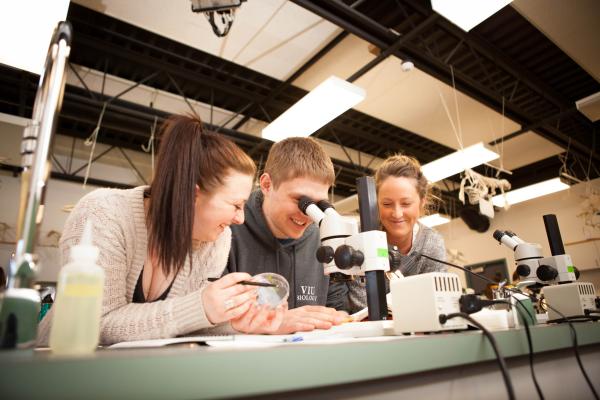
525 219
113 167
58 195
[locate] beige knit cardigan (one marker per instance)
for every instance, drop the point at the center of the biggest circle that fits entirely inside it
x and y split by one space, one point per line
119 231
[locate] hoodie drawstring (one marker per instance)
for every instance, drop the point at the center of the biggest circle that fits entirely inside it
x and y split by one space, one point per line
294 273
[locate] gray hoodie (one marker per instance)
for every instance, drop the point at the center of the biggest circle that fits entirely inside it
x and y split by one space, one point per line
255 250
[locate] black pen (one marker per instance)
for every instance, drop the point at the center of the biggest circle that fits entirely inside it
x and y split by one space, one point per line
248 283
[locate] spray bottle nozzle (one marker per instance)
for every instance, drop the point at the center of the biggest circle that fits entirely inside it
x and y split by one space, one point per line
85 248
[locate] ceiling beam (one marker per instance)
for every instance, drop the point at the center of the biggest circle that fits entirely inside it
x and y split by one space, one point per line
381 36
108 37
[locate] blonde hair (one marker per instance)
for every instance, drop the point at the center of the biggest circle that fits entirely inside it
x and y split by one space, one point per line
299 157
401 166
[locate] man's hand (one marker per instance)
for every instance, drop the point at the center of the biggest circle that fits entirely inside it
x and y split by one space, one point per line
308 318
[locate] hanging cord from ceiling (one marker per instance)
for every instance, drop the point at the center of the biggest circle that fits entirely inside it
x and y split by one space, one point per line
149 147
566 170
474 184
454 91
502 140
6 233
7 236
590 206
258 31
450 119
457 132
50 239
590 209
498 143
293 36
91 141
332 193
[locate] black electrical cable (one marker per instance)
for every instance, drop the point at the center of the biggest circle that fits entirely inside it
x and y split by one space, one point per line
574 318
569 321
470 304
485 278
490 337
532 297
530 344
527 331
576 350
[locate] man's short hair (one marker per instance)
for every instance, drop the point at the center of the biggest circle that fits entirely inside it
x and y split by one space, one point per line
298 157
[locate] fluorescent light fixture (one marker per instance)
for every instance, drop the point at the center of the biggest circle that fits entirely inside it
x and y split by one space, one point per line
590 106
466 14
325 102
458 161
434 220
530 192
26 27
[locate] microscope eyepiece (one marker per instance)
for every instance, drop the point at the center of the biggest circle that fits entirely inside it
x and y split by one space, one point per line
304 202
498 234
308 207
506 239
324 205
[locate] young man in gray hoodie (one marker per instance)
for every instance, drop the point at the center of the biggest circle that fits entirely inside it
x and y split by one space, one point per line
277 236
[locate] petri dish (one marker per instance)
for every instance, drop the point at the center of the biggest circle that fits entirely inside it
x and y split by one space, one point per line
272 296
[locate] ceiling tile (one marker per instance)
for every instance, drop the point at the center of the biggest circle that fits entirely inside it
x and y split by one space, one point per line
525 149
273 37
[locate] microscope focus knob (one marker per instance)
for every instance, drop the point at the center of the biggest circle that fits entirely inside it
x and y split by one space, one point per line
546 273
325 254
395 257
523 270
346 257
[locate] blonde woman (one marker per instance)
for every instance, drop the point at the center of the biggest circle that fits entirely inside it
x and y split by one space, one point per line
403 194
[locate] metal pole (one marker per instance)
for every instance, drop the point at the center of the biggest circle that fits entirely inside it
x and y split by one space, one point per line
369 221
20 306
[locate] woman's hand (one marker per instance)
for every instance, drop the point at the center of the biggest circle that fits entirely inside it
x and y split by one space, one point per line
225 300
260 319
